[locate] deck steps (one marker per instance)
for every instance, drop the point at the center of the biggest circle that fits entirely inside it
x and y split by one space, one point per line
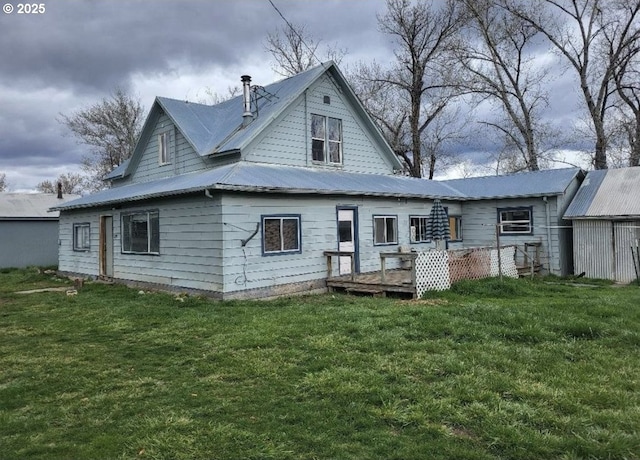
368 291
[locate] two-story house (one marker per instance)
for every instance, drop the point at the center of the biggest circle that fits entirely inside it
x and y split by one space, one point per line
241 199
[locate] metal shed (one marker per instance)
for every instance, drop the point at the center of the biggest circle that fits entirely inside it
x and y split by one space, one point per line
29 232
606 224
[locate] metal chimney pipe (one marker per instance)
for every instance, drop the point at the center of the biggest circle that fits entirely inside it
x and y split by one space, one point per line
246 98
59 190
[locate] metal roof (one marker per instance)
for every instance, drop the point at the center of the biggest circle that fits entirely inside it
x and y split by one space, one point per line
212 129
261 177
535 183
30 206
608 194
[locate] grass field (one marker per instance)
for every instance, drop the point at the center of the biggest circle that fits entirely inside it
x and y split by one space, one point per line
511 370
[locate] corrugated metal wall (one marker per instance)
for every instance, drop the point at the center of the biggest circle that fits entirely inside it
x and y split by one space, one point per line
625 234
593 248
602 249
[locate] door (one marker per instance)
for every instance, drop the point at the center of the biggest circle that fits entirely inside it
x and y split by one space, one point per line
106 246
347 238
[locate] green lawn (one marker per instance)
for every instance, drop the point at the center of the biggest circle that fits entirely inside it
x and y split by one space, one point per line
513 370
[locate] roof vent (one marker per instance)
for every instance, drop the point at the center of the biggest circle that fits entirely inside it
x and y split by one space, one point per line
246 99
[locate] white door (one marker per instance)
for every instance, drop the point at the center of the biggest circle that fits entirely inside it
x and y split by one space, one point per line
346 238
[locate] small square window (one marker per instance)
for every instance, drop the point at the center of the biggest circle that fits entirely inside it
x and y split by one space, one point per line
81 237
280 234
385 230
418 229
141 232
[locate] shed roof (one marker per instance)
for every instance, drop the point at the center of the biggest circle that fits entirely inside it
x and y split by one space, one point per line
548 182
607 194
261 177
30 206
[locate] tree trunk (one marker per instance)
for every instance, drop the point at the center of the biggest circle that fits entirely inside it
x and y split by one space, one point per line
634 157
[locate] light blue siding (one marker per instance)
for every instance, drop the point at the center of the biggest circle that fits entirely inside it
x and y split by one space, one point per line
288 140
183 159
190 245
247 268
479 228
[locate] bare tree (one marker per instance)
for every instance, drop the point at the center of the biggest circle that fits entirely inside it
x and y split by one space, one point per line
499 66
72 184
407 98
112 128
577 30
3 182
626 75
295 50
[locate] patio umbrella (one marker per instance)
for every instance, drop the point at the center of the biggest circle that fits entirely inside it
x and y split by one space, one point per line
438 225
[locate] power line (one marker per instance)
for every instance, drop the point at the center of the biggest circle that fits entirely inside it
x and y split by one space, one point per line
295 32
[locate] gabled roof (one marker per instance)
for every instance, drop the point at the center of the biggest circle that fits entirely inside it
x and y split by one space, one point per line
262 177
30 206
607 194
217 129
548 182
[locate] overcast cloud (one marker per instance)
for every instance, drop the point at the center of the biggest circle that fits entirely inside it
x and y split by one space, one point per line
76 52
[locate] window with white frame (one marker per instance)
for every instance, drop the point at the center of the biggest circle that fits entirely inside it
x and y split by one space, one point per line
81 236
280 234
515 221
163 148
326 139
385 230
418 229
141 232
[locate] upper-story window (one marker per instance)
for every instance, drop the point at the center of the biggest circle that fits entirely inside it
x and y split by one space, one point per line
326 139
163 148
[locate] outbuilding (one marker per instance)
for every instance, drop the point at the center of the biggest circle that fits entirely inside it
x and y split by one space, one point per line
606 224
29 231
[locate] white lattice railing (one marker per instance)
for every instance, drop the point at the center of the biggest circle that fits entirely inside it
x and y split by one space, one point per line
436 270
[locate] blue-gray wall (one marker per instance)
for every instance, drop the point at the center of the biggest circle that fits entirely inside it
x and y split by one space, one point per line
28 242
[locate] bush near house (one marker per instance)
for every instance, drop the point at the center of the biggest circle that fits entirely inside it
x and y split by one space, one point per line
514 369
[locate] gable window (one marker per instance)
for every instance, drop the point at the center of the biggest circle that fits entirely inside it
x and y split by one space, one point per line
163 148
81 237
385 230
418 229
141 232
326 139
280 234
515 221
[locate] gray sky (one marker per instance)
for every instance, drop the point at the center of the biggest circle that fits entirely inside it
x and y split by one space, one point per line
77 51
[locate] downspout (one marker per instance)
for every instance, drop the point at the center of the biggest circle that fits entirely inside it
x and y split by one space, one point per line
548 217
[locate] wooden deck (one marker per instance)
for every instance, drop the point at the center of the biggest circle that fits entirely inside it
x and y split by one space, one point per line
396 282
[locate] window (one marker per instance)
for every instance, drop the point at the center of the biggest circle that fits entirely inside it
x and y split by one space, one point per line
455 228
385 230
515 221
418 229
326 139
81 237
163 148
141 232
280 234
